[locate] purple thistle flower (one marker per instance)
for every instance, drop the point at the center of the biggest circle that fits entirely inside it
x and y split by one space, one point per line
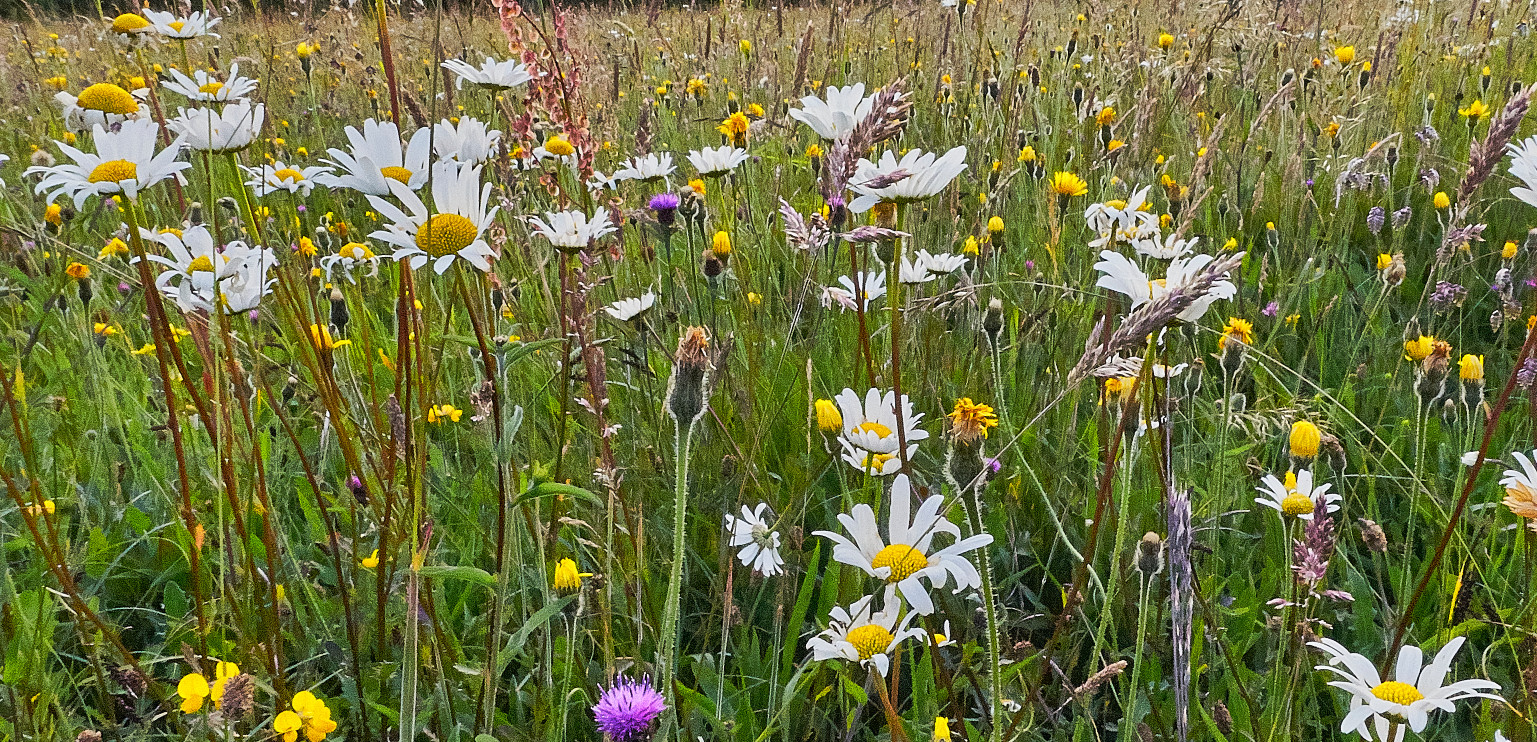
666 207
627 709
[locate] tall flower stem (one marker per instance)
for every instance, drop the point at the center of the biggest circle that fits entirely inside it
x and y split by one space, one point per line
683 431
990 609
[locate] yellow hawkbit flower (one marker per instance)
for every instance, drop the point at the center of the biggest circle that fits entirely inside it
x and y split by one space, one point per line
971 247
995 224
558 145
47 507
1106 116
103 329
321 336
57 83
1418 349
144 349
1509 251
304 49
1237 330
1344 54
755 110
371 561
1475 111
735 128
307 247
77 271
814 151
829 419
1027 154
1441 200
1305 439
1383 261
1165 40
697 186
720 244
744 46
54 215
1067 184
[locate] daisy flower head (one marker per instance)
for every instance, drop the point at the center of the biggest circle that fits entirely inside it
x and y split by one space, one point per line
860 634
908 557
375 157
470 141
915 271
1168 248
836 115
927 173
125 163
204 86
1115 217
869 435
1124 277
102 104
1521 487
1523 167
350 257
942 263
451 229
132 29
717 161
1298 496
278 178
491 74
173 26
573 230
229 130
758 543
863 288
648 168
1415 690
201 276
625 310
627 711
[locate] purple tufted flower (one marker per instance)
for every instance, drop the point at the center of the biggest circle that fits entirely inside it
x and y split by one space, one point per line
666 207
627 710
1271 309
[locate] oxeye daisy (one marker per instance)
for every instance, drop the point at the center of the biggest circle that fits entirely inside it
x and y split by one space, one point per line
491 74
647 168
758 543
1124 277
869 435
1523 167
125 163
1521 487
469 141
202 276
838 114
451 229
860 634
908 557
278 177
186 27
204 86
1415 690
926 173
229 130
376 157
102 104
1297 496
625 310
572 230
132 29
863 288
717 161
941 263
349 257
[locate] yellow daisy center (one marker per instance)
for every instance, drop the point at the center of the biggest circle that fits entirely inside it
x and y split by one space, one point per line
108 98
870 426
1399 693
211 88
1296 504
903 559
869 640
177 25
397 173
128 23
445 234
200 263
114 171
288 174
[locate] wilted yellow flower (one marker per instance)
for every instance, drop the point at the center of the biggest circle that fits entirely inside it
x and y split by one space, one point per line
720 244
1305 439
1417 350
829 419
567 579
970 421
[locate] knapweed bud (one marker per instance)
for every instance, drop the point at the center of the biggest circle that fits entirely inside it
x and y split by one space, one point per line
339 314
992 320
690 371
1150 554
713 265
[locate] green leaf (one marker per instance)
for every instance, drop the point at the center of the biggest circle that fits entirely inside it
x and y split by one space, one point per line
550 489
462 572
540 618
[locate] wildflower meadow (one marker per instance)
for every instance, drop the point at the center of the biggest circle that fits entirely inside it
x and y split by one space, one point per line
979 370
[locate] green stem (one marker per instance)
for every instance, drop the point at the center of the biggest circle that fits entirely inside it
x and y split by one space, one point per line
682 433
989 605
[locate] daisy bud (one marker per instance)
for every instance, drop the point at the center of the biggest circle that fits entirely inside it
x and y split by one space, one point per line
690 369
1305 439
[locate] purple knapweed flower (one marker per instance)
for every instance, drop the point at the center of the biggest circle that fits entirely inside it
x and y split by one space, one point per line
627 709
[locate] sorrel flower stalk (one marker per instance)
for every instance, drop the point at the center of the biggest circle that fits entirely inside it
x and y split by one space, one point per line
686 391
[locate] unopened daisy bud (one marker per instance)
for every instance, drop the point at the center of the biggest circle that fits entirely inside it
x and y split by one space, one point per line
829 419
992 321
1304 440
690 369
